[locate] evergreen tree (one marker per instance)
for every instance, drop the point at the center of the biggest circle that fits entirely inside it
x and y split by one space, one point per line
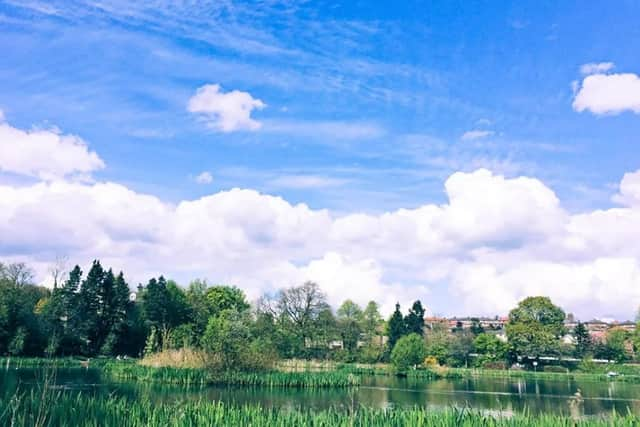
67 312
396 327
583 340
90 307
415 319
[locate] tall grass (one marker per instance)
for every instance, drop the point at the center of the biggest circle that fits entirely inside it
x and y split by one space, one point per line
182 376
60 362
513 373
81 410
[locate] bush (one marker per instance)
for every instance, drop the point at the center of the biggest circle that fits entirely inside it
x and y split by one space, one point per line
408 352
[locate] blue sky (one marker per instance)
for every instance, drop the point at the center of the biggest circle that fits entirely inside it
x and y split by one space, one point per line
358 107
417 76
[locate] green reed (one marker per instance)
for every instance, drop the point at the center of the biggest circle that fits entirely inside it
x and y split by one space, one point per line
82 410
182 376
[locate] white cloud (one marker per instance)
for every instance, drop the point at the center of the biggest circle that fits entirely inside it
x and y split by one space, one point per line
596 68
204 178
494 241
225 111
475 134
608 94
45 154
629 190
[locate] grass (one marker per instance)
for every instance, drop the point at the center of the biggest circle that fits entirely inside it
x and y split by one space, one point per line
82 410
183 376
180 358
496 373
59 362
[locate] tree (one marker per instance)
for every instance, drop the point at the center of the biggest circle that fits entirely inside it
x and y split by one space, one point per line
408 352
297 311
615 347
476 327
534 327
490 348
437 343
460 347
396 327
583 340
371 319
89 306
58 269
19 274
21 302
221 298
415 319
349 316
164 306
227 336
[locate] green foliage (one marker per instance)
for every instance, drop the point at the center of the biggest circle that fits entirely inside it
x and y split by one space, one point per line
490 348
414 321
408 352
228 336
121 412
534 327
615 347
220 298
182 376
349 317
583 340
303 321
396 327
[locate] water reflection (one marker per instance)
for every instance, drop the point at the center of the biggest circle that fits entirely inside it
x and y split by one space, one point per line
486 394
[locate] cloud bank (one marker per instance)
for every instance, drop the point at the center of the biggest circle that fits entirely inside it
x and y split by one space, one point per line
495 241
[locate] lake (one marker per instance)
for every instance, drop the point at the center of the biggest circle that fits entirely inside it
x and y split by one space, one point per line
485 394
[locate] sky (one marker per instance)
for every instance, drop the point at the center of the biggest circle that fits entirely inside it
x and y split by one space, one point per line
464 153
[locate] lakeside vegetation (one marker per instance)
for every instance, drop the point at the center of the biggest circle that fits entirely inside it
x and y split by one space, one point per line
211 335
62 410
96 315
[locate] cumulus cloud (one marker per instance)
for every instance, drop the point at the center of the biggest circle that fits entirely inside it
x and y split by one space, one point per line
475 134
204 178
608 94
225 111
493 242
44 154
596 67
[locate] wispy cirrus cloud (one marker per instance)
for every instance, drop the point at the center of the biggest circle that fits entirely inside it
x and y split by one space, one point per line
305 181
470 135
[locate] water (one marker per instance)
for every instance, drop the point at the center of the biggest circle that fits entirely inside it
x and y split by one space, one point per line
485 394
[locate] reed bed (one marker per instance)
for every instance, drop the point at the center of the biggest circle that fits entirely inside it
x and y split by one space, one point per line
182 376
82 410
512 373
60 362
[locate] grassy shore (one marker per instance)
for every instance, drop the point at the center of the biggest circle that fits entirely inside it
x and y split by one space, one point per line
81 410
298 373
183 376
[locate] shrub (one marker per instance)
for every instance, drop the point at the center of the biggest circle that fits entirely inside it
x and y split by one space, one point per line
408 352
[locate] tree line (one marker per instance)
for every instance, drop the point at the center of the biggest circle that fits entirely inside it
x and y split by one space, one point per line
96 314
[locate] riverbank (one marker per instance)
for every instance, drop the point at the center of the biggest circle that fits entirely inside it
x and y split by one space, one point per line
61 410
302 373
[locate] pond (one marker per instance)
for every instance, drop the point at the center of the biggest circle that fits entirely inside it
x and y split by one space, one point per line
484 394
